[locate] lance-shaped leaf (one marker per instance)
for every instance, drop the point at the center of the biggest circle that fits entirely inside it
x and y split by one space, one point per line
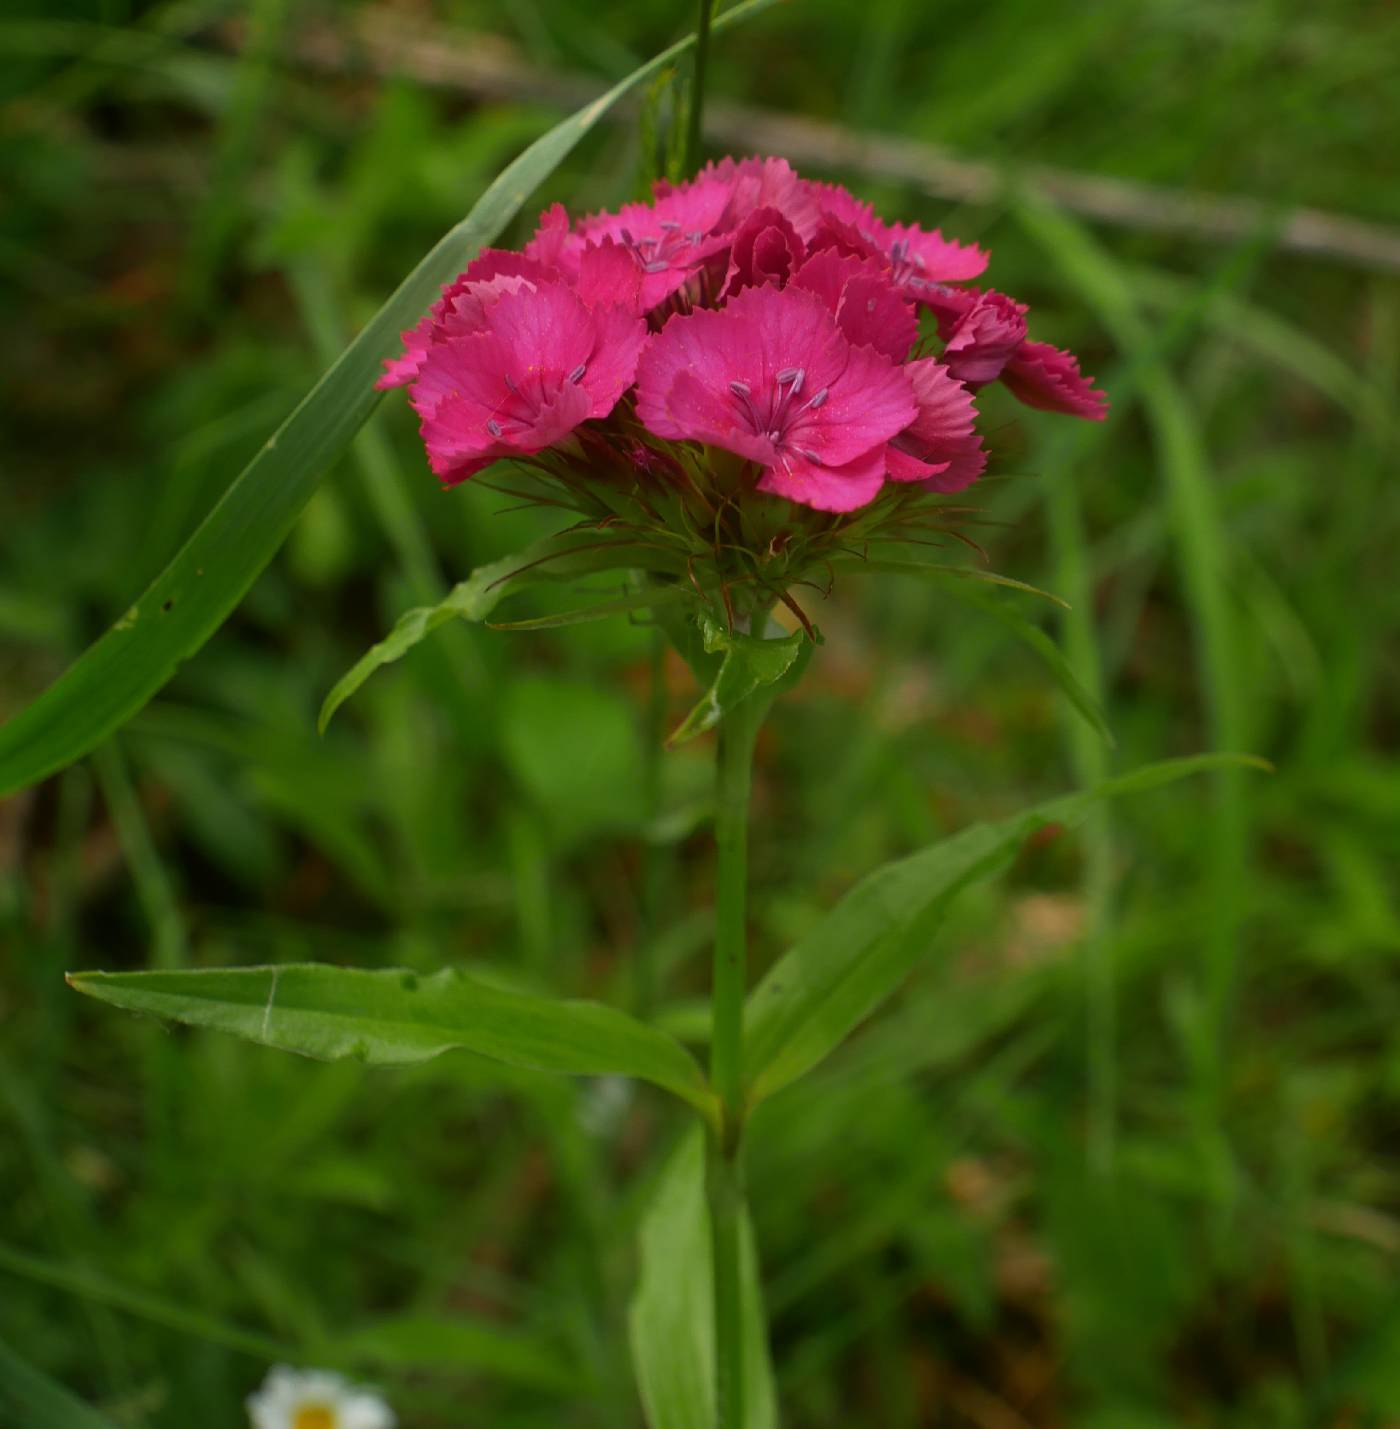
392 1017
190 599
671 1317
834 977
746 663
555 558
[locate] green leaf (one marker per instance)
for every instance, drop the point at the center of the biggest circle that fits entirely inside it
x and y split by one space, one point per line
564 556
748 662
391 1017
31 1398
190 599
953 580
832 979
648 599
671 1318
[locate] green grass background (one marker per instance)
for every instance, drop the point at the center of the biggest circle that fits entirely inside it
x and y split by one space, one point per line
1124 1153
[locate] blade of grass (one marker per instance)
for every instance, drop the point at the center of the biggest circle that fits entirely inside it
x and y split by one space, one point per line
1089 761
456 657
157 898
42 1403
190 599
173 1314
1200 536
217 219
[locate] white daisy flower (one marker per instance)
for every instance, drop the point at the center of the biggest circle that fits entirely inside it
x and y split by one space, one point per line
316 1399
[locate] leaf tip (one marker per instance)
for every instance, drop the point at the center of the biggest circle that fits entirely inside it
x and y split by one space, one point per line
329 705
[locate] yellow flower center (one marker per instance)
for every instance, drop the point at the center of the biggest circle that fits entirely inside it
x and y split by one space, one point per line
314 1416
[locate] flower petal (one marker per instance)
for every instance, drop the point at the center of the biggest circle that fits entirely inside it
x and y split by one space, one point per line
985 337
765 249
609 276
875 314
1049 378
827 488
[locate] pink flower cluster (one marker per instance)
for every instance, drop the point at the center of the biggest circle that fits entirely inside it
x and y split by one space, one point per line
749 310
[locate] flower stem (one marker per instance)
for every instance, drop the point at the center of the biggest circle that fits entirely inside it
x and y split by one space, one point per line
697 87
738 733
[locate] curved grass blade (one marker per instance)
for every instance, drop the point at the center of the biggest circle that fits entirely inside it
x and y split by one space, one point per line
190 599
844 968
1204 546
1031 635
392 1017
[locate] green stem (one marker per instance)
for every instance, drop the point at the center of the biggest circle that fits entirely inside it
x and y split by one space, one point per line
738 733
697 88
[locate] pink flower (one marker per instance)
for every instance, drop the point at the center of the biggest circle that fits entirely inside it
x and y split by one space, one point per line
981 332
761 183
555 245
608 276
1049 378
772 378
541 363
916 258
939 448
670 240
460 309
765 248
868 308
985 333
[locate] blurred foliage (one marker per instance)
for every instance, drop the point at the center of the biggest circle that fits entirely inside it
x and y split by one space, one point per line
1122 1156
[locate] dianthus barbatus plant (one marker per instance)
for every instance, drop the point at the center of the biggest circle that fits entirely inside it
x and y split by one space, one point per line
732 384
749 386
736 387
